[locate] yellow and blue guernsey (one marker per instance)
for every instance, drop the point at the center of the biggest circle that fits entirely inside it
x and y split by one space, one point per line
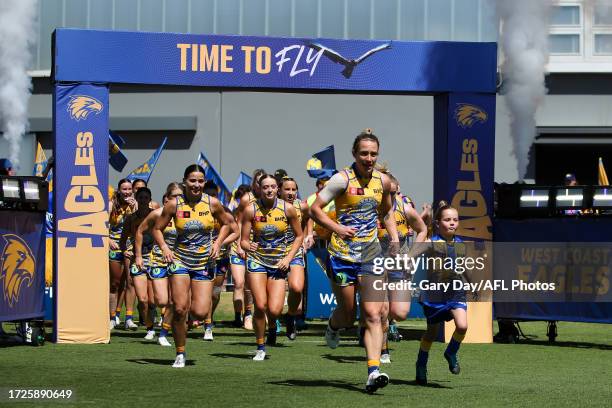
269 228
115 228
194 239
357 207
438 304
159 268
299 256
401 222
234 258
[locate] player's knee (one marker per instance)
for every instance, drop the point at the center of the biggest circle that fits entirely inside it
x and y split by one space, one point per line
180 312
461 328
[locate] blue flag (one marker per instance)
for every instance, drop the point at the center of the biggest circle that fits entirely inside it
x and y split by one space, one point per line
210 173
322 164
145 170
116 158
243 178
40 163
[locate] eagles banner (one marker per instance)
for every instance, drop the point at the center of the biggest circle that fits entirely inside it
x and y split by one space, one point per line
464 156
22 265
145 170
268 62
80 202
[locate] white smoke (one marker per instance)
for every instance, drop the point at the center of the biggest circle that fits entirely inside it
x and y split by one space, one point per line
524 42
17 35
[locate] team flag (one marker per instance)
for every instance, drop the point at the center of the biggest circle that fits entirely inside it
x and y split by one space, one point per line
116 158
40 163
210 173
243 178
322 164
602 175
145 170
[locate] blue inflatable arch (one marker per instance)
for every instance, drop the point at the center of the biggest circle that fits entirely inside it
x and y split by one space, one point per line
461 76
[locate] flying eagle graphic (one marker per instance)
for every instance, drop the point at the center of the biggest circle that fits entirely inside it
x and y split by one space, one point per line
349 64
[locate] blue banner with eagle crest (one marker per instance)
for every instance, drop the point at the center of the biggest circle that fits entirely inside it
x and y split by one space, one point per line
22 265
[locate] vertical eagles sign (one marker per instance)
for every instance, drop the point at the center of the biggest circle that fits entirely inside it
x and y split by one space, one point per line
81 250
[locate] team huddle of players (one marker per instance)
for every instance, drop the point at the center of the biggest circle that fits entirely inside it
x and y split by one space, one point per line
177 256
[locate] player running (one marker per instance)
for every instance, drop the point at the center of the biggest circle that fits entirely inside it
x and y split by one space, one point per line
121 205
268 256
288 193
192 268
362 195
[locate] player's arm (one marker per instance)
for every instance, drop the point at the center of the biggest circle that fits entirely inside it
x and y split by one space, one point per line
168 211
416 223
387 210
294 223
307 226
125 233
111 244
225 220
234 230
245 231
334 187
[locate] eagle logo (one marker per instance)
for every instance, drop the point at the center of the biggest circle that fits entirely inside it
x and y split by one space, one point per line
467 114
18 267
81 106
349 64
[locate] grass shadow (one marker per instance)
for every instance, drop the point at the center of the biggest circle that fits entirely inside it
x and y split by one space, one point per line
319 383
430 384
241 356
157 361
343 359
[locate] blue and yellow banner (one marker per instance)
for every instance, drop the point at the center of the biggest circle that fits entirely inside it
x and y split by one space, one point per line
81 217
145 170
225 195
116 158
268 62
322 164
22 265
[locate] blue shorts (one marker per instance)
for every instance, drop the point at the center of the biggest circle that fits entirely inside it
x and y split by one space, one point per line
345 273
298 260
272 273
116 256
222 266
134 271
441 312
206 274
158 272
236 260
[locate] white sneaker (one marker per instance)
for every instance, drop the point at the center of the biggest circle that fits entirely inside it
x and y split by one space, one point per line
385 358
117 321
111 324
163 341
248 322
376 380
332 337
130 325
150 335
260 355
208 336
179 361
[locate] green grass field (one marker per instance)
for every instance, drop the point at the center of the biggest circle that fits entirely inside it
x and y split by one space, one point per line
574 371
